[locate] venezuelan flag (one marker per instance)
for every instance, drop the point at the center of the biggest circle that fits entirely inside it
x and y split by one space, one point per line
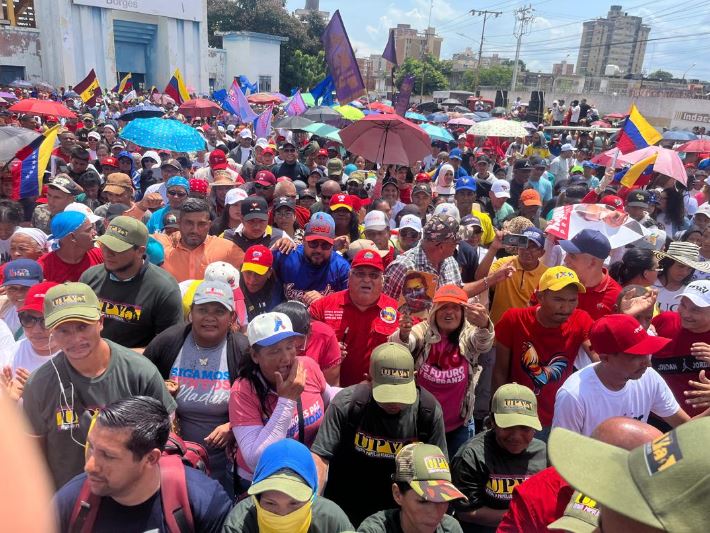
88 88
636 133
125 85
635 171
34 159
176 88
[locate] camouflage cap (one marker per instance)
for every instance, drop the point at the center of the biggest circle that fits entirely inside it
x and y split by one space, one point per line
441 228
425 468
581 515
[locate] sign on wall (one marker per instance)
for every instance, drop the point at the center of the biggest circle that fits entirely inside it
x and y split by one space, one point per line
177 9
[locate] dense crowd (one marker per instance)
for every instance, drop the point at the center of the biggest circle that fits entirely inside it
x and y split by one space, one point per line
275 334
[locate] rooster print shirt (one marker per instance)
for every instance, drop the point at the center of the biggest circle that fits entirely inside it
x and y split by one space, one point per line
541 358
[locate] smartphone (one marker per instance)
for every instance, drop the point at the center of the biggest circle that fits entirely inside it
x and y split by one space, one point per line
517 241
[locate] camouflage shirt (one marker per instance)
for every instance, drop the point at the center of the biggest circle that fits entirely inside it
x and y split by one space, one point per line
41 218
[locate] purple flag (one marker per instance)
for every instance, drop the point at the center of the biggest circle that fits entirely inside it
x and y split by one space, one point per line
296 106
262 126
390 53
238 102
405 93
341 61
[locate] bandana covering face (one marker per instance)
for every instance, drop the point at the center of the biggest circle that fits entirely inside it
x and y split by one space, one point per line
296 522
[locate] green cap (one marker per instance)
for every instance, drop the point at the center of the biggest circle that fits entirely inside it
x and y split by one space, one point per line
123 233
392 373
663 484
70 301
581 515
286 481
425 468
515 405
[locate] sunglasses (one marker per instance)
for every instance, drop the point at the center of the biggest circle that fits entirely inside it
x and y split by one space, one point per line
289 150
260 187
177 194
323 245
29 321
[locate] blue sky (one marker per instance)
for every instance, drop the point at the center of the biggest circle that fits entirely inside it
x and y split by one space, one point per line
554 34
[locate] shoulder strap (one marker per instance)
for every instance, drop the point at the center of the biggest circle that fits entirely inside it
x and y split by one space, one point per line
85 510
360 398
173 494
425 415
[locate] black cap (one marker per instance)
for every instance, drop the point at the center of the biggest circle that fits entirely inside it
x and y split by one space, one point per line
255 207
522 163
638 198
171 219
116 210
390 180
284 201
421 187
483 159
80 153
306 193
536 161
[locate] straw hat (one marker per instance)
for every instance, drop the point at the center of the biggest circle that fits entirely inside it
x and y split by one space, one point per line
685 253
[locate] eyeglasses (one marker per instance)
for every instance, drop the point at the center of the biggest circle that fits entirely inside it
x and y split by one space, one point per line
323 245
177 194
364 274
260 187
29 321
289 150
408 233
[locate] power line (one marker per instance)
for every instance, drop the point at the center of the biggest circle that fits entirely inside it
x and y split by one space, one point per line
484 14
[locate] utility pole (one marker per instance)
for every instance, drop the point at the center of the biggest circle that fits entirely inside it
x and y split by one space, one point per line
523 18
484 14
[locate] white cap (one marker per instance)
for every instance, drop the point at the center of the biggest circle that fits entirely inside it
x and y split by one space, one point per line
501 189
704 210
262 143
224 272
245 134
369 184
411 222
231 127
85 209
235 195
462 136
567 148
94 135
376 220
269 328
448 209
152 155
698 292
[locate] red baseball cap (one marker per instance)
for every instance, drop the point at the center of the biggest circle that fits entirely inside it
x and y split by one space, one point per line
109 162
341 200
623 334
258 258
268 150
323 151
218 160
613 201
422 177
368 258
34 301
265 178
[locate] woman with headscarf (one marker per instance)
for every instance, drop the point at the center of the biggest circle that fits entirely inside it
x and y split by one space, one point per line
284 496
444 185
28 243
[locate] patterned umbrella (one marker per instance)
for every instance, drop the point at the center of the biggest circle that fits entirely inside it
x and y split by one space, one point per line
463 121
498 127
144 110
163 134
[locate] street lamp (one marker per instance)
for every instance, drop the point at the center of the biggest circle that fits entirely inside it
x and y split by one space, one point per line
686 70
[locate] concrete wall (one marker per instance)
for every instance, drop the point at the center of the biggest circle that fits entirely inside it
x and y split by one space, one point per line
216 68
20 47
252 57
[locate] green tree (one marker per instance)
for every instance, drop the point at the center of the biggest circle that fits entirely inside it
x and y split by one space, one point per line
511 62
434 72
305 70
495 76
661 75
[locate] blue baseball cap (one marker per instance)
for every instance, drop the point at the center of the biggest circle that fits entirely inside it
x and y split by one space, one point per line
178 181
589 242
286 466
466 183
535 235
321 227
589 164
65 223
456 154
24 272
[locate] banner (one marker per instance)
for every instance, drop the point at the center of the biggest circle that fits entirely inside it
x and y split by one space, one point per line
296 106
88 89
262 125
617 226
390 53
341 61
29 174
237 104
405 93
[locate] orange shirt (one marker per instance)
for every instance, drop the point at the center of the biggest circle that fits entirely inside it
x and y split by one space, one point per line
185 264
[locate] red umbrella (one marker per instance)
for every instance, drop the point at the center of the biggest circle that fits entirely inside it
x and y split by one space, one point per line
379 106
615 116
41 107
386 139
263 99
606 158
697 146
200 107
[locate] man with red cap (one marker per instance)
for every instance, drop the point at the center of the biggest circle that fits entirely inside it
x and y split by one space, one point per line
362 316
620 384
264 185
217 161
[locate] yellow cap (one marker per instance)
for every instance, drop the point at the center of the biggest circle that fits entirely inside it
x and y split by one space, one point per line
557 278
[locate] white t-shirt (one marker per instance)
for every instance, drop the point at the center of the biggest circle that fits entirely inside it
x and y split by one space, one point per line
667 300
583 402
7 345
26 357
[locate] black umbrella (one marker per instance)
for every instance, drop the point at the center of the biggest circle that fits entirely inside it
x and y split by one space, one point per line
293 123
141 111
324 114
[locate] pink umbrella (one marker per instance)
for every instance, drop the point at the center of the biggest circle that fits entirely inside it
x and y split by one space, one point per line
162 99
605 158
461 122
386 139
697 146
668 162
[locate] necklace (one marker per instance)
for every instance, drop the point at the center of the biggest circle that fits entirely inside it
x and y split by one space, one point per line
202 361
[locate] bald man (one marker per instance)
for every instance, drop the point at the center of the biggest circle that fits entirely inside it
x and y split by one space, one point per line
328 189
543 497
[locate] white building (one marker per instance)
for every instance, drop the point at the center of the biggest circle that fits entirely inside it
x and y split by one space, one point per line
254 55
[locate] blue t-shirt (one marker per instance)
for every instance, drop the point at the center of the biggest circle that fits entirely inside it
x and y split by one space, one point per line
155 222
543 187
299 275
209 503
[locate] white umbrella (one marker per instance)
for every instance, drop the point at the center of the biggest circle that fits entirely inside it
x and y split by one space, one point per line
12 139
498 127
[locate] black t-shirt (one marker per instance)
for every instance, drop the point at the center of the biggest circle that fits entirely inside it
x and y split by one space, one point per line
295 171
389 521
267 239
467 258
209 503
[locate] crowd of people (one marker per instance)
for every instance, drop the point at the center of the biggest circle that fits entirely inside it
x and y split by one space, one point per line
348 346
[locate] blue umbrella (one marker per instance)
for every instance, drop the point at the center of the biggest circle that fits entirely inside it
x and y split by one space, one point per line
165 134
411 115
437 133
438 117
679 136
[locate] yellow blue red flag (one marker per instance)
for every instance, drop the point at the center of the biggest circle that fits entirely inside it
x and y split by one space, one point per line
28 176
176 88
636 133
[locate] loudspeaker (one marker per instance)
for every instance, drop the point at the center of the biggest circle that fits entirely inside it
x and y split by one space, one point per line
501 98
536 107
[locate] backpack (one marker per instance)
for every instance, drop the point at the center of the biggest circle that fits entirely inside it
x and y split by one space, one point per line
425 414
173 489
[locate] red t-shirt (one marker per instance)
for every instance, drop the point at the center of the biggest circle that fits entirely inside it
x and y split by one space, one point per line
541 358
61 155
600 301
322 346
57 270
362 331
674 363
537 502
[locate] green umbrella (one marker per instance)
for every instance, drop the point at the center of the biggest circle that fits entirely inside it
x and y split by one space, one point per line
349 112
308 98
324 130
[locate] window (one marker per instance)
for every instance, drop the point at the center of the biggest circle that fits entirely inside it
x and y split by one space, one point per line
10 73
265 84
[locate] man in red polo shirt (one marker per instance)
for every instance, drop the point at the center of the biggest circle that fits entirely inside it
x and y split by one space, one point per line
361 315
